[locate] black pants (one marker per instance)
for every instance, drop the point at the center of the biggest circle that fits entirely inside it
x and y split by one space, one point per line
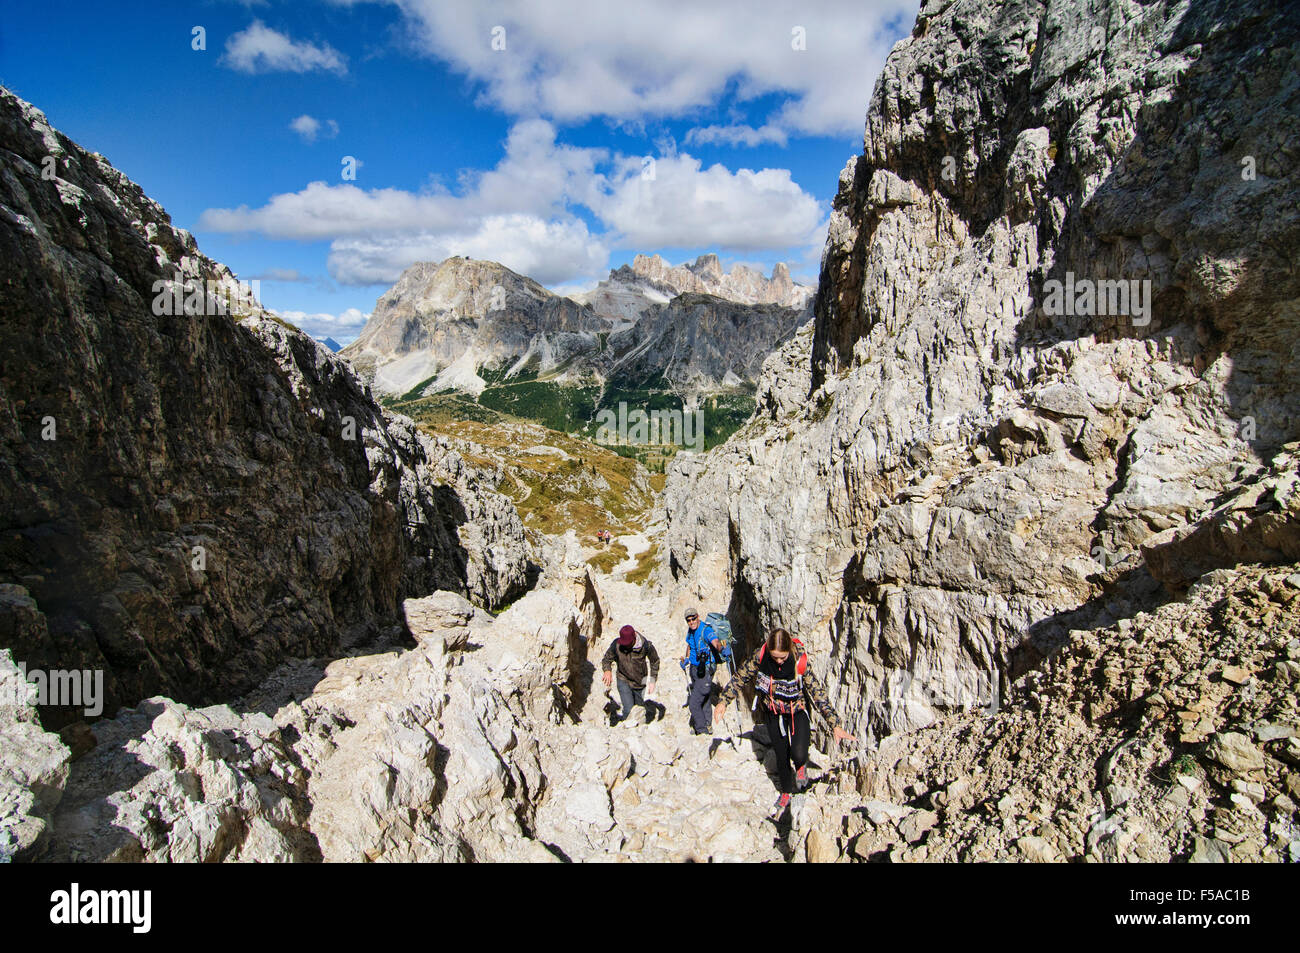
789 735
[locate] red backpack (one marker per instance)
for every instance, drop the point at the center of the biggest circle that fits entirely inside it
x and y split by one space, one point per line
800 664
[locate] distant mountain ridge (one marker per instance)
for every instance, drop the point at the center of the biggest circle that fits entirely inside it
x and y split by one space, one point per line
442 322
631 289
461 324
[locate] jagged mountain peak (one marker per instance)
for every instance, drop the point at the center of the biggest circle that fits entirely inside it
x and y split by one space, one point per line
741 284
460 284
709 267
443 321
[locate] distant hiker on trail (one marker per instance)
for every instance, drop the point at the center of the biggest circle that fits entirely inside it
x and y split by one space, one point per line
699 663
634 655
785 683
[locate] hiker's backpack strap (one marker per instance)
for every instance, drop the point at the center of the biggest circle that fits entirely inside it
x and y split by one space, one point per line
801 663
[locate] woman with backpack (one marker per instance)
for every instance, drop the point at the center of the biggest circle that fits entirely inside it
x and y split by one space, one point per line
785 683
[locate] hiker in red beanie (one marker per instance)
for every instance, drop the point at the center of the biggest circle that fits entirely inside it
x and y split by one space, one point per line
634 655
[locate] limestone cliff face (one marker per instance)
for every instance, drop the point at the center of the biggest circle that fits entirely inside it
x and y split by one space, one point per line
949 471
186 499
699 342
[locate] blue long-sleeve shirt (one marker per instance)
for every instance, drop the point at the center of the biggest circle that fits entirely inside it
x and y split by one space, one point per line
698 644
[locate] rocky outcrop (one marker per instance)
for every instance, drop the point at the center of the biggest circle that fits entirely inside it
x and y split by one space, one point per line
1257 521
483 742
424 754
189 497
487 740
1170 735
33 766
956 468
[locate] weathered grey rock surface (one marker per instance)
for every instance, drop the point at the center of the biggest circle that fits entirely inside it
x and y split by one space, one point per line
426 753
1170 735
943 479
33 766
699 342
486 741
186 500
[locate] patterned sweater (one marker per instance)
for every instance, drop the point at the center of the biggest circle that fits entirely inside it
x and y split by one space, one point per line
813 689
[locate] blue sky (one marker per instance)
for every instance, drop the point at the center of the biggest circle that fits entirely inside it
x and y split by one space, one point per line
556 136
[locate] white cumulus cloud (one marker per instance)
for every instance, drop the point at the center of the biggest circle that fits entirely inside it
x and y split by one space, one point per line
737 134
346 324
324 211
260 49
531 212
571 60
682 204
311 128
547 251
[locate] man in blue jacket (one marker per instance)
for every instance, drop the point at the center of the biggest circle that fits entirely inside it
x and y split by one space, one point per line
700 643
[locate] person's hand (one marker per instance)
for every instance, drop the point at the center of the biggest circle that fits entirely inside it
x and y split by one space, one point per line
650 689
609 678
719 711
842 735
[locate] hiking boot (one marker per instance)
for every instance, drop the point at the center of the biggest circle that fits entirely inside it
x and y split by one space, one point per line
801 778
778 810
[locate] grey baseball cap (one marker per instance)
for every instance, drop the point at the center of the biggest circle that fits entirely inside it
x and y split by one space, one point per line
692 611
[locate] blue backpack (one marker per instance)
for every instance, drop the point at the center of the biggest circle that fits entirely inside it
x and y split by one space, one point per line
722 632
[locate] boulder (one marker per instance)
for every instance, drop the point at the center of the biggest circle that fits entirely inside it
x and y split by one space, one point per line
1234 751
